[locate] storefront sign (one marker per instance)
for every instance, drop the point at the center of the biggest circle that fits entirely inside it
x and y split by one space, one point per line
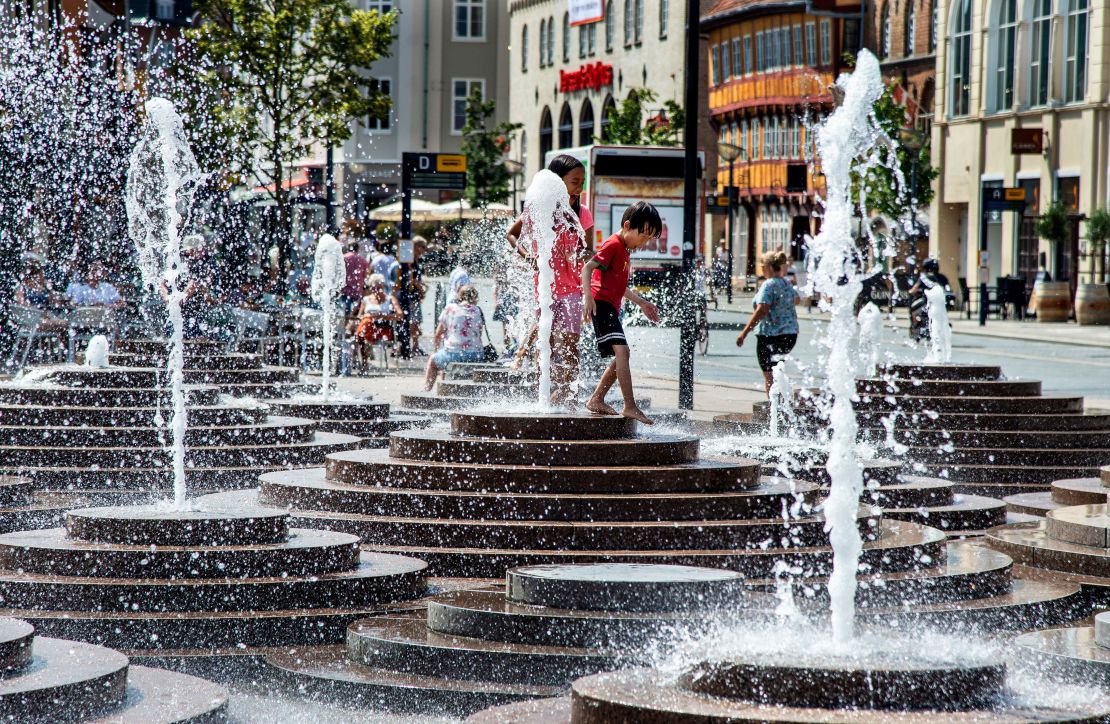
585 11
591 76
1026 140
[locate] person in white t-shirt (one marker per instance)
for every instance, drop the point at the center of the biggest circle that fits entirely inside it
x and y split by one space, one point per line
94 291
459 278
458 335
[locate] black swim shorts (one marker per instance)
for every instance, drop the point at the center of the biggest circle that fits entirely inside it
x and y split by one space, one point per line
769 349
608 329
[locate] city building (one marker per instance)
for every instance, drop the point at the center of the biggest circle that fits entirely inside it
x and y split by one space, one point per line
444 50
1021 103
903 36
772 66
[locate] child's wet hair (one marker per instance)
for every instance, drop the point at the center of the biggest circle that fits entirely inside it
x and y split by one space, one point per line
643 217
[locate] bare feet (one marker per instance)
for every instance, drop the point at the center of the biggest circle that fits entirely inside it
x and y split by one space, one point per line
599 407
637 414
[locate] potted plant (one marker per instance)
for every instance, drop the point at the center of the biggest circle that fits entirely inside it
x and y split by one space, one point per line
1053 299
1092 301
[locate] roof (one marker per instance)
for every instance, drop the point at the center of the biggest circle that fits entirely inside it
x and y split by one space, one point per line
721 10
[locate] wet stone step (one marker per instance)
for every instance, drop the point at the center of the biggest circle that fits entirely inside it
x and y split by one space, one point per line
1084 525
546 426
226 361
97 417
486 390
1072 655
1009 456
964 514
928 371
276 430
72 680
15 491
1032 476
408 645
1044 405
379 468
1030 544
155 695
625 587
310 490
974 422
503 376
1032 503
1061 440
949 388
154 480
909 491
193 347
308 553
92 397
15 645
163 525
1104 475
261 376
440 446
329 410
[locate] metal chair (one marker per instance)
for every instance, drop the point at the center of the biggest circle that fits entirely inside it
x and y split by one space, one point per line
256 328
87 322
26 321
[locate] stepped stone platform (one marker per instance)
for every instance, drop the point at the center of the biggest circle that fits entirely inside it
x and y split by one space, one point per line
1075 654
95 434
371 421
208 363
155 578
50 680
22 507
990 435
1073 491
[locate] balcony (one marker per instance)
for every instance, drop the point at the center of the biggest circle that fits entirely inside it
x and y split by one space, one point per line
766 177
780 88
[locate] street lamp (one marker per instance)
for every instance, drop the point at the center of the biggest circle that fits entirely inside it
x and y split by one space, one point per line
729 152
515 168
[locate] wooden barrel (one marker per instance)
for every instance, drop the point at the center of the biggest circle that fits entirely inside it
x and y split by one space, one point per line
1092 304
1053 301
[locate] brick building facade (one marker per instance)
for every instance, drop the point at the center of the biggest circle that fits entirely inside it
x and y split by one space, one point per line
903 36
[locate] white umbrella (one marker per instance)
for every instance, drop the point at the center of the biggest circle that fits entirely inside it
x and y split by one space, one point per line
461 209
421 211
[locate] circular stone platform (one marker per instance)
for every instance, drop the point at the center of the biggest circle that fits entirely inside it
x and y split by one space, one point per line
161 525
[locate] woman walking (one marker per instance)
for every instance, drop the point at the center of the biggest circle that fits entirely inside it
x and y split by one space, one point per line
775 316
567 259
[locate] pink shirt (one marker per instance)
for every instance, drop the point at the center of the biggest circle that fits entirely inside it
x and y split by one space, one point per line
567 257
356 273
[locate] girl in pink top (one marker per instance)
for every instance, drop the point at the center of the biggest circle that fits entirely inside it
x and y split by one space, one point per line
572 248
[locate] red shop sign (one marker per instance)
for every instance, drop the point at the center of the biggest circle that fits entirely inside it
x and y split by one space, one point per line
591 76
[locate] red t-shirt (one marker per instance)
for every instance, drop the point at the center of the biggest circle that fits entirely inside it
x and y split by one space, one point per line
564 256
610 282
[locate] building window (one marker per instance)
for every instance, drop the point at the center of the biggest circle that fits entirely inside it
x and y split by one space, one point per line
591 39
1075 51
959 89
639 28
1040 69
566 37
933 26
798 61
470 19
726 62
737 64
884 32
664 17
382 124
524 49
550 40
784 61
586 124
743 142
581 41
627 22
382 6
756 151
811 44
747 55
566 127
543 42
607 107
1004 39
715 61
610 31
760 64
772 40
851 35
461 88
545 136
826 42
909 30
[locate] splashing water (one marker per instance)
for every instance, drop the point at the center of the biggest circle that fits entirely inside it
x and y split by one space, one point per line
781 399
940 333
847 142
870 321
161 178
96 353
547 212
329 274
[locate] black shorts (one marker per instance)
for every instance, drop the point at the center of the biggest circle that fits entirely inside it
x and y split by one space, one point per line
608 329
770 348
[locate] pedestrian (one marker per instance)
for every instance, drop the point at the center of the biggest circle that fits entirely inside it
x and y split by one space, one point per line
459 278
356 265
604 287
775 316
377 313
410 293
459 332
568 255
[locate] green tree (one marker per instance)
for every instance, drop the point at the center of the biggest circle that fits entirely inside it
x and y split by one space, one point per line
885 195
1053 223
487 179
627 126
1098 233
291 74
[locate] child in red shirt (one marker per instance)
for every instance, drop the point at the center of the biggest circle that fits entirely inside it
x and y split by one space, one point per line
604 286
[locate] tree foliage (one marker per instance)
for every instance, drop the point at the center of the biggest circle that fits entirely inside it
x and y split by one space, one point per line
882 190
1052 225
487 179
627 126
291 73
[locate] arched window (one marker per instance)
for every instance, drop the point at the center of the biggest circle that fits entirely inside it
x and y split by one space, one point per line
610 30
545 135
1075 51
628 22
959 83
607 107
550 40
884 32
639 28
543 42
1040 68
932 26
1004 22
664 17
586 124
566 37
566 127
909 29
524 49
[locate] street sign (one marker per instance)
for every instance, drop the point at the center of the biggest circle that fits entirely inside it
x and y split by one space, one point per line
445 171
1027 140
716 204
999 198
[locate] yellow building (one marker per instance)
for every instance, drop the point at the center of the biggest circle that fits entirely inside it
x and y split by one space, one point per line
772 65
